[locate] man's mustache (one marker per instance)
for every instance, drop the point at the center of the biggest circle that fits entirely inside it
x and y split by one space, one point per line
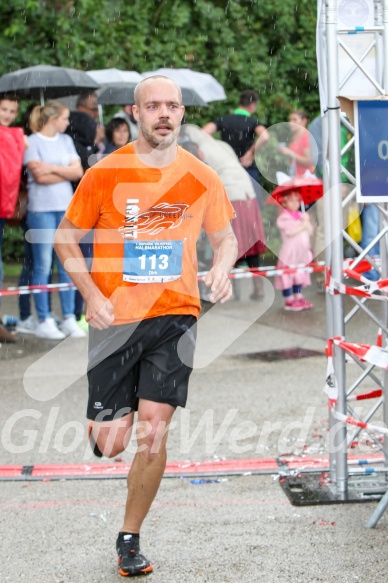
162 123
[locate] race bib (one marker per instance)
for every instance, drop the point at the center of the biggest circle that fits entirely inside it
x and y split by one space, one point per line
152 261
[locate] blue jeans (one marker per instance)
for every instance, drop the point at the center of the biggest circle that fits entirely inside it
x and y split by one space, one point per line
2 227
42 253
25 277
370 229
86 246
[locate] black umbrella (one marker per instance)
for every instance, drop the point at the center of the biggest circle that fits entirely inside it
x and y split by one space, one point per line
123 93
46 82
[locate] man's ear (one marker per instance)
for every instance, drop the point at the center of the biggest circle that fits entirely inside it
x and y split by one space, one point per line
135 112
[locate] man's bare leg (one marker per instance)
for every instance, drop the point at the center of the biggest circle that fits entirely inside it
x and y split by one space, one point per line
149 462
112 437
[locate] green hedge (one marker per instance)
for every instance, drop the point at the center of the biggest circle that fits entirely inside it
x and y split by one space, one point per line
12 248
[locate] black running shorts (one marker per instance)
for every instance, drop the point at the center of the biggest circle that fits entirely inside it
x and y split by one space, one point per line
139 361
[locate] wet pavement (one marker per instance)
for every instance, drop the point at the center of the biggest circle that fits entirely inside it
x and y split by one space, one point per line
239 529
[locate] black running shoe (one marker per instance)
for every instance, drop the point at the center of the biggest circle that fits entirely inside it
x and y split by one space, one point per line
92 442
131 562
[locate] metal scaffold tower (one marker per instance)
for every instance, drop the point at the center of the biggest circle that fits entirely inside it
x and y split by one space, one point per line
350 298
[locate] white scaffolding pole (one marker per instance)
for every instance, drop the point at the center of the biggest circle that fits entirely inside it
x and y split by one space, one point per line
333 215
335 227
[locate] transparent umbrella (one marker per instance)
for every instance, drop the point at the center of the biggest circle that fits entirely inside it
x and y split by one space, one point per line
120 81
204 84
112 76
46 82
123 93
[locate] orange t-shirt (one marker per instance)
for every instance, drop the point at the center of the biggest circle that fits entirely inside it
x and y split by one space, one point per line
146 224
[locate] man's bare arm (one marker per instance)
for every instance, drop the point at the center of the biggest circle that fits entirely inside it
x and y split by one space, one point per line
224 244
99 310
210 128
249 156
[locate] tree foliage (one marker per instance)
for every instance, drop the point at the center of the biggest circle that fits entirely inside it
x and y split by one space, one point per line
267 45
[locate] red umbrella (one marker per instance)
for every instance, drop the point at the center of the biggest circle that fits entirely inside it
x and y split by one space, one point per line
310 189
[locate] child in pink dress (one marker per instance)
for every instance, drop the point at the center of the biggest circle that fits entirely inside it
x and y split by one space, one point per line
295 229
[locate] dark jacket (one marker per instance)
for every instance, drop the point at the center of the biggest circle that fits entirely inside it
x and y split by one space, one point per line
82 129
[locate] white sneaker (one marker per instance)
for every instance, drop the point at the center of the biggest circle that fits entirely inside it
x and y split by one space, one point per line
27 326
56 318
70 327
48 329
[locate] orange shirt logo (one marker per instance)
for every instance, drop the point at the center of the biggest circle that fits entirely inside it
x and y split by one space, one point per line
153 220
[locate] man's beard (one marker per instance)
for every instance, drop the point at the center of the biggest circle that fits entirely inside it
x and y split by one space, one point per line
153 141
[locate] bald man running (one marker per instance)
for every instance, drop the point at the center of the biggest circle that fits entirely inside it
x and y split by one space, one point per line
147 203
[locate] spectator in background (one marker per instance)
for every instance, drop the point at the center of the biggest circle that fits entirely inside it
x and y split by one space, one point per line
52 163
370 220
12 144
295 229
315 129
127 114
117 134
27 324
87 134
298 149
247 224
85 130
240 130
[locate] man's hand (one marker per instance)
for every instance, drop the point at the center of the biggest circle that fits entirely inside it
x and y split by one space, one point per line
100 134
224 245
220 285
99 312
247 159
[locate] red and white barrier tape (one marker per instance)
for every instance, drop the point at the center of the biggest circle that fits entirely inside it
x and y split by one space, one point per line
371 353
376 355
246 273
366 290
363 291
371 395
234 274
316 265
34 289
360 268
243 273
352 421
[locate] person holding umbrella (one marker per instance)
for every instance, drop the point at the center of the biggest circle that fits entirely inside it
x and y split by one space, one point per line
87 134
85 130
296 229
